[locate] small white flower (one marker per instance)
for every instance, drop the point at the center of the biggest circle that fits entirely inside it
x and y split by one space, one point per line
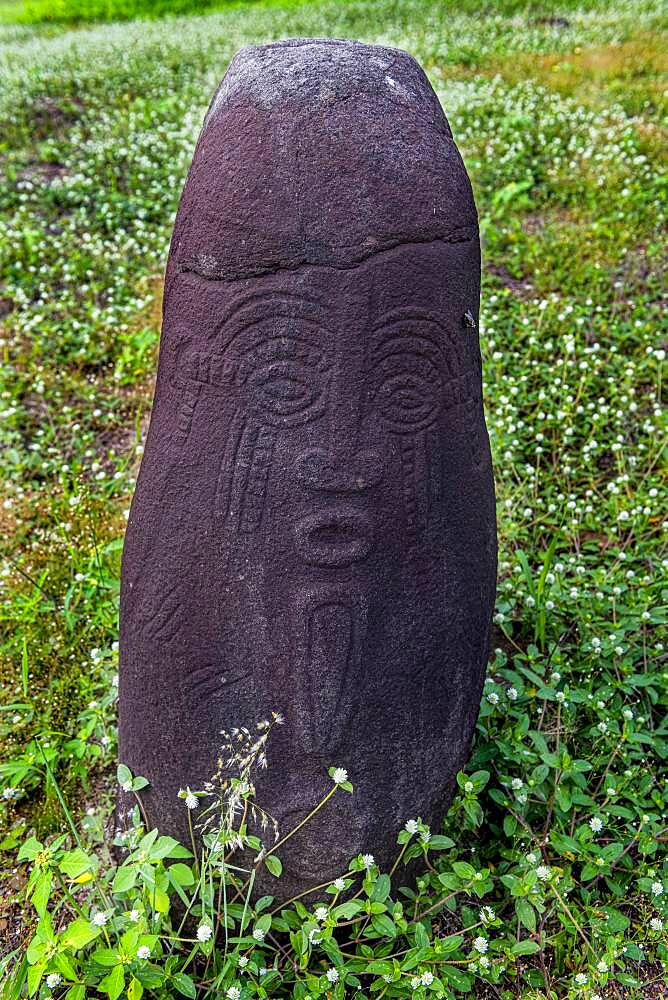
602 727
191 800
368 860
656 924
339 884
493 698
258 934
204 932
560 697
511 694
532 858
628 714
611 791
143 951
314 936
427 978
516 784
481 945
332 975
657 888
321 914
486 914
234 993
134 916
415 982
340 775
412 825
100 918
52 980
602 966
483 962
543 872
468 786
581 979
596 824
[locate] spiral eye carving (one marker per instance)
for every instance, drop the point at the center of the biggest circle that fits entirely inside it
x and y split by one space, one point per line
283 381
409 390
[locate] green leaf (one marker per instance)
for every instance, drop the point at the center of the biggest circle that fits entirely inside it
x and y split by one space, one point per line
184 985
123 775
525 948
29 850
381 889
440 843
42 891
135 989
79 933
525 913
273 864
76 993
35 973
76 863
124 879
382 924
106 957
114 983
162 848
463 870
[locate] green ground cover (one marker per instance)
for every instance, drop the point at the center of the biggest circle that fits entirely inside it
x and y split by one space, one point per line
560 825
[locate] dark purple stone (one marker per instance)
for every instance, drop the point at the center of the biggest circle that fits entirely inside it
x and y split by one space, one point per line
313 530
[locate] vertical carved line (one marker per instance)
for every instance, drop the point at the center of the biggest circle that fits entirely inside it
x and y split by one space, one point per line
227 466
184 417
258 475
242 467
408 482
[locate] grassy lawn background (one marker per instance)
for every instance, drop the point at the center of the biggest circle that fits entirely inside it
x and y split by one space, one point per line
559 112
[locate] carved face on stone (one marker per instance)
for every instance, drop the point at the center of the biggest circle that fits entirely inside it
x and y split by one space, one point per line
313 530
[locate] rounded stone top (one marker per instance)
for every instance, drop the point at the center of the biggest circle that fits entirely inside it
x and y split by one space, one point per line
323 72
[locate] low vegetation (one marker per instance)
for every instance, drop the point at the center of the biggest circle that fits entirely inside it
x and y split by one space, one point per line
549 878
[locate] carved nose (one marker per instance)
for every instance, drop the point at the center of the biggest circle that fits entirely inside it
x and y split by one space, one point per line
317 469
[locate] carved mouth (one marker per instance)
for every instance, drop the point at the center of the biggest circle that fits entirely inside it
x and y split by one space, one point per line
331 539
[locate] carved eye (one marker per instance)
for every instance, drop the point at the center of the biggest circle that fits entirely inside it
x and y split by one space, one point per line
410 390
284 382
284 388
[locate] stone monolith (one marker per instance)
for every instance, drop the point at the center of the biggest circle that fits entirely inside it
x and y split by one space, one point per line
313 530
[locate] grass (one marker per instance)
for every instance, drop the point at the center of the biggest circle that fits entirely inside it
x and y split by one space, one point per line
560 115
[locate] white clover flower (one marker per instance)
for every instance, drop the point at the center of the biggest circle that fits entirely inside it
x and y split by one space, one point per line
602 727
602 966
368 860
468 786
191 800
516 784
492 698
543 872
234 993
204 932
415 982
412 825
332 975
134 916
481 945
657 888
340 775
628 714
656 924
259 934
52 980
483 962
427 978
339 884
560 697
100 918
321 914
596 824
532 858
581 979
511 694
143 951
